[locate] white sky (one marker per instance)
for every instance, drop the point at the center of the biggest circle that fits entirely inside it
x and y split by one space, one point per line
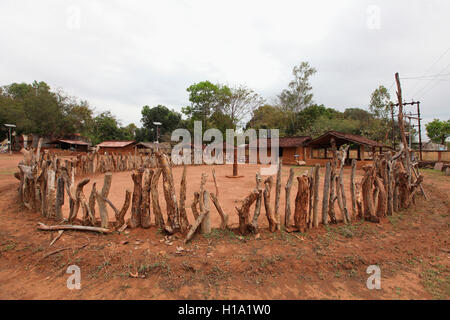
121 55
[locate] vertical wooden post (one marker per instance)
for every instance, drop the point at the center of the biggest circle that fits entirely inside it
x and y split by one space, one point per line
277 195
206 223
287 211
301 203
325 197
353 188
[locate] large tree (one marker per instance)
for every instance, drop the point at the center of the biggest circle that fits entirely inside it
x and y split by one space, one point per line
299 95
242 102
169 119
206 99
438 131
380 127
106 127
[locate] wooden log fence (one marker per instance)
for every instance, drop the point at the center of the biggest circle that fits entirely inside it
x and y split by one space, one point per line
386 187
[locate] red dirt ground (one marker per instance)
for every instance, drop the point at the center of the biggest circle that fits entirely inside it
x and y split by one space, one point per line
411 249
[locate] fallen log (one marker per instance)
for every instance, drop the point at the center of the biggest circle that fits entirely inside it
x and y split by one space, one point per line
45 227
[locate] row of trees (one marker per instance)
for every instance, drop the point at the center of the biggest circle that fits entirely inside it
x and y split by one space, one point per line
35 108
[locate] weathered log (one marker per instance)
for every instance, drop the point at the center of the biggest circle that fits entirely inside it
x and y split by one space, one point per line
106 184
102 209
77 202
215 182
145 211
269 213
92 197
342 157
287 210
333 196
120 217
184 223
277 195
170 196
136 203
72 227
301 203
353 188
401 126
159 219
196 224
325 199
244 210
59 197
315 211
51 193
413 190
367 194
382 198
223 215
257 212
206 223
310 198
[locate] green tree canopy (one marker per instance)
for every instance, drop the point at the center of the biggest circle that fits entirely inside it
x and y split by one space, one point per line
169 119
438 131
206 98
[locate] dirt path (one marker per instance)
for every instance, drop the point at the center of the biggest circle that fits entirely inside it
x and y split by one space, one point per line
411 249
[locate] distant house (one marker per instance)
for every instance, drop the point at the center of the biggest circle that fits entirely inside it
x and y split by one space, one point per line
116 146
66 144
361 148
151 147
292 149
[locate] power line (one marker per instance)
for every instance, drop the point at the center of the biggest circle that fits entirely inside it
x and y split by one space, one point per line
433 64
421 91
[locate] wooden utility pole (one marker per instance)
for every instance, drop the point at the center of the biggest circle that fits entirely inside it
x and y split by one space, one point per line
402 126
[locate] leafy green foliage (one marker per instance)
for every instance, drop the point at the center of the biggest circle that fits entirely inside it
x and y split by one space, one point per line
169 119
438 131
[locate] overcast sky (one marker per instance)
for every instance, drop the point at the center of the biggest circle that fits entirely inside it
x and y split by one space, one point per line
121 55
